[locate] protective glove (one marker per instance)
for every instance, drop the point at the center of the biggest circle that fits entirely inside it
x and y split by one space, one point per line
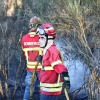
66 80
39 58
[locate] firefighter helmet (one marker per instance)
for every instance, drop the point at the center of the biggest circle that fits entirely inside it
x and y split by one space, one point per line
46 29
35 22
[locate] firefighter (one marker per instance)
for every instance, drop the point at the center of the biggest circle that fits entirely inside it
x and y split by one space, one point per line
31 49
54 75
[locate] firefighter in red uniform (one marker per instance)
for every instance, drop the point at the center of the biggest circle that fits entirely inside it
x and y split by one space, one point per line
31 49
54 75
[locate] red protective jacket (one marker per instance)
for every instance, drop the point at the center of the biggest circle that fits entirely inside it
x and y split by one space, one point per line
31 48
50 79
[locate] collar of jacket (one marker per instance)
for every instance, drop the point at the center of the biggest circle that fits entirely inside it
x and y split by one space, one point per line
32 30
50 42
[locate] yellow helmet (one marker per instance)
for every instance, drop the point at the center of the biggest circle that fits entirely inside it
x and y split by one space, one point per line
35 22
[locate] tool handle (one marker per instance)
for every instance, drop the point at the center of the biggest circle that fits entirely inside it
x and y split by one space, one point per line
66 94
32 81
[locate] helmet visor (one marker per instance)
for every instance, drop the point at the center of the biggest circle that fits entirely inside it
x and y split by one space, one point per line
40 31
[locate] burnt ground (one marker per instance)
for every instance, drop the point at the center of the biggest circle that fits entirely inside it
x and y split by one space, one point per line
20 87
20 92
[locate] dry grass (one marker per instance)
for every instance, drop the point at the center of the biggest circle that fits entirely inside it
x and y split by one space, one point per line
78 20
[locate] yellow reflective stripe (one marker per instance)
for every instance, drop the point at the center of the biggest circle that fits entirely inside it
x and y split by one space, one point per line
55 87
51 89
51 85
28 66
40 66
32 63
32 49
40 52
56 62
33 33
48 68
58 81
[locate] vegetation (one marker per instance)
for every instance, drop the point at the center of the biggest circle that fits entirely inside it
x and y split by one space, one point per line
76 21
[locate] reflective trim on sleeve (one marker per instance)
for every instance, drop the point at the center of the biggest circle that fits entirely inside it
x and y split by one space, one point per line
66 78
51 89
51 85
56 62
48 68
